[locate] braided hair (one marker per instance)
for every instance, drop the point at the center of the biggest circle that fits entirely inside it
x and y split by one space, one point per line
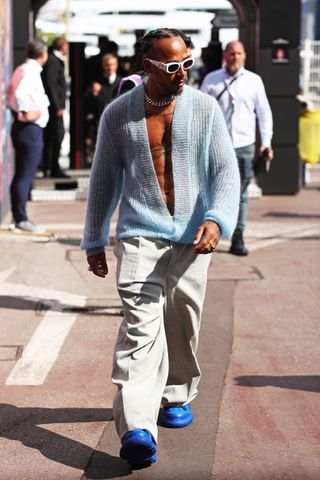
144 44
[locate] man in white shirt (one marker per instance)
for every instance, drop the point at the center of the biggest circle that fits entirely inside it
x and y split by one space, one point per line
242 98
26 98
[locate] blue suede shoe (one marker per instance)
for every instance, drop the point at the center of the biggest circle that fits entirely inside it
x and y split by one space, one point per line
138 448
176 416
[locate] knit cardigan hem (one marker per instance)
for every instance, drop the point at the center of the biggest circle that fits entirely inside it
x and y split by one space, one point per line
205 173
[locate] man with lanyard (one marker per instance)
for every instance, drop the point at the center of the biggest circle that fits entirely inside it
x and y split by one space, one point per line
26 98
242 98
163 149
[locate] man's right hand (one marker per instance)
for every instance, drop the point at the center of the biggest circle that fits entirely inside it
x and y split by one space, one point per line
268 157
96 88
30 116
98 264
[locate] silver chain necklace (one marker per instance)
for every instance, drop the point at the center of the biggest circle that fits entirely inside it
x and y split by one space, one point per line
162 103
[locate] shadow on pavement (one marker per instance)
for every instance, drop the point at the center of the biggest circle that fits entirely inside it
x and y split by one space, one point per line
291 215
103 466
31 303
308 383
25 425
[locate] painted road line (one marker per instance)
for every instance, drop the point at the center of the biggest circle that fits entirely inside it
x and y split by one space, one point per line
261 243
261 235
42 350
4 274
58 298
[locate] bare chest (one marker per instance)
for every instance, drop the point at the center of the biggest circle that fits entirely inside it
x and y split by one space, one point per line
159 126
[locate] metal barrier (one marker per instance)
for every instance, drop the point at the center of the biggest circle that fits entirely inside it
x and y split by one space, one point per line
310 69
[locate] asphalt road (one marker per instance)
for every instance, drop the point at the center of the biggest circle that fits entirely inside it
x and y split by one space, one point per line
257 413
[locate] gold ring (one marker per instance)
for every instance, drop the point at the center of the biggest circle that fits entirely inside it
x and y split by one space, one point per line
212 245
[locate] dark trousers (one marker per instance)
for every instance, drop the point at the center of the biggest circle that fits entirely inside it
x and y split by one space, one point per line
27 139
53 137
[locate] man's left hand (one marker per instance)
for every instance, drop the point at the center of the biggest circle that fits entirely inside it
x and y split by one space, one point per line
206 238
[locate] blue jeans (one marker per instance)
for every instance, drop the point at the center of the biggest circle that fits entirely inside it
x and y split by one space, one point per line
245 156
27 139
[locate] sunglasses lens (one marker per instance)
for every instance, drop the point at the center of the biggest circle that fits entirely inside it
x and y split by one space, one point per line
187 63
173 67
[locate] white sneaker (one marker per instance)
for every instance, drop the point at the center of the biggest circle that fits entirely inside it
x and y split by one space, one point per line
27 226
254 191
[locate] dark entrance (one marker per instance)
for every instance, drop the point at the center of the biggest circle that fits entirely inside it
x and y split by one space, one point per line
270 31
263 25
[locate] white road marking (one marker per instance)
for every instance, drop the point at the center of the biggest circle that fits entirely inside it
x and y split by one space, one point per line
260 235
61 227
43 349
4 274
259 244
40 294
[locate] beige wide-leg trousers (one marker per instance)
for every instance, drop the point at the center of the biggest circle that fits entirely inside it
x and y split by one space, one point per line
162 287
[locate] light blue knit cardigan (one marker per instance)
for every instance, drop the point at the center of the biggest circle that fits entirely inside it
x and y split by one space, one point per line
205 173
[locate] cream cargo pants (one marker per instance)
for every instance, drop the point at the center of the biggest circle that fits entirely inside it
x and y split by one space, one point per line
162 287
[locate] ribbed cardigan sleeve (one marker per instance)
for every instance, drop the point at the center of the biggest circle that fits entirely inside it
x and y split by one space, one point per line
224 177
104 189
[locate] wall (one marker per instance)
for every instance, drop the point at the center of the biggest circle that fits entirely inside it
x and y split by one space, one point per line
22 18
281 78
6 161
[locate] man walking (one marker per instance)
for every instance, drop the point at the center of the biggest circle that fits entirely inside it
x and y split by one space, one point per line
243 100
26 98
164 149
54 81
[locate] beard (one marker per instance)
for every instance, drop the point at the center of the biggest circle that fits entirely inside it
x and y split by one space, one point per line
177 89
234 67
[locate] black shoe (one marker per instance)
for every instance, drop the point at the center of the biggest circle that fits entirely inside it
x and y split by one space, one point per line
60 174
237 244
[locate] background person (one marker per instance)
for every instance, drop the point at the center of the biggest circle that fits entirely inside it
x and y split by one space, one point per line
28 102
243 100
93 64
164 150
99 94
128 83
53 77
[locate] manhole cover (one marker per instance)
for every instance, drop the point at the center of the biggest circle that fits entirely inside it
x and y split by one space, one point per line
10 352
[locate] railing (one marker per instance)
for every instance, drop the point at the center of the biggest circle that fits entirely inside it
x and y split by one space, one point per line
309 132
310 70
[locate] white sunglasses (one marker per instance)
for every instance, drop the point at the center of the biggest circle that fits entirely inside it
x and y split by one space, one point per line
173 67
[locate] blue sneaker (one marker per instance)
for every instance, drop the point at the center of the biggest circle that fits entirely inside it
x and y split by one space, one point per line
176 416
138 448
